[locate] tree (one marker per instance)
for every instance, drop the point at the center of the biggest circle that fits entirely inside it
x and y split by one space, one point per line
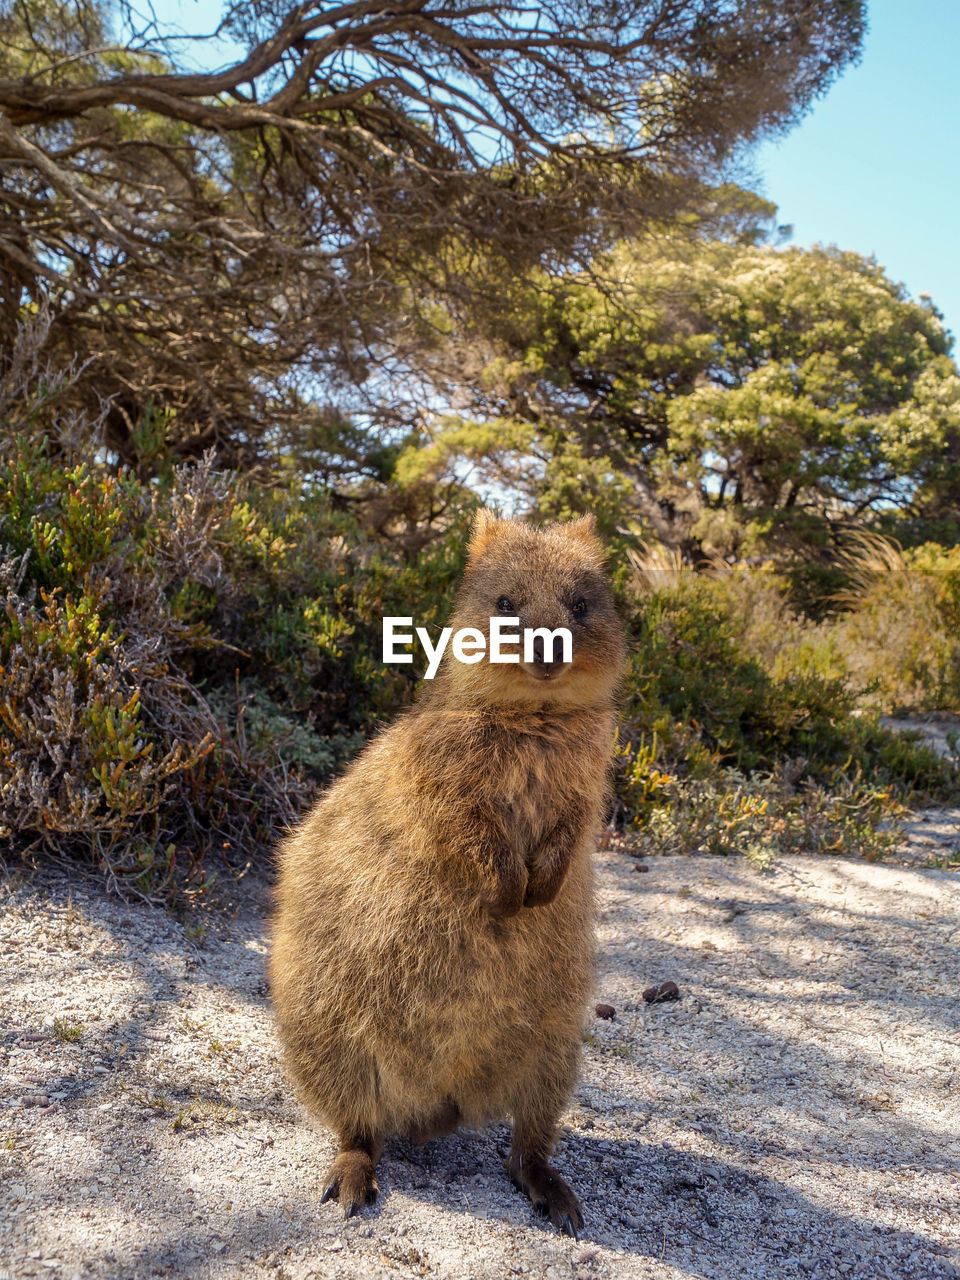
224 245
719 395
832 400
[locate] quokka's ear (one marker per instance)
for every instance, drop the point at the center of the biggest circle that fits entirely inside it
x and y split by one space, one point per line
486 527
584 527
584 531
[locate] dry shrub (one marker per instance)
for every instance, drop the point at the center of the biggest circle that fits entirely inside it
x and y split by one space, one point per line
765 816
77 760
891 633
108 747
184 660
900 626
750 728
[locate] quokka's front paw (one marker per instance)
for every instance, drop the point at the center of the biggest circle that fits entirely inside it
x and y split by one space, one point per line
505 896
544 881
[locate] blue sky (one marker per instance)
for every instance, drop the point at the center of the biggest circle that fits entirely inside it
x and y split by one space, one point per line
873 167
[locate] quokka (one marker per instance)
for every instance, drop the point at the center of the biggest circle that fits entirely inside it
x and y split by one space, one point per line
432 951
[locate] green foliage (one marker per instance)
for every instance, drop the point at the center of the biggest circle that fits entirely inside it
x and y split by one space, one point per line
691 666
829 390
311 593
183 663
721 395
748 728
67 1031
764 816
67 520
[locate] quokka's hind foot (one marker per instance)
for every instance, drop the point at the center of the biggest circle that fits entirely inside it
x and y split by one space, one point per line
352 1180
550 1194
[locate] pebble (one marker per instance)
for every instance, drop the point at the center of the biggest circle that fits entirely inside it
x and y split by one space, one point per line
665 991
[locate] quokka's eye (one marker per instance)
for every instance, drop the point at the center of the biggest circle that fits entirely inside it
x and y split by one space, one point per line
504 605
579 607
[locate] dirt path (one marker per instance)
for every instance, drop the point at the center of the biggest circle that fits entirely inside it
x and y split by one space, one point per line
796 1113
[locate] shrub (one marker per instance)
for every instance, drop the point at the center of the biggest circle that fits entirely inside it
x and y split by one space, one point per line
891 630
106 746
764 816
310 593
900 628
185 662
729 691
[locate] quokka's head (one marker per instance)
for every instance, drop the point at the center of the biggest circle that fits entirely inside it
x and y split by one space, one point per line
548 578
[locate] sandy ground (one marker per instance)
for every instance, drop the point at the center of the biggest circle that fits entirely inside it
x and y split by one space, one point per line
941 731
795 1113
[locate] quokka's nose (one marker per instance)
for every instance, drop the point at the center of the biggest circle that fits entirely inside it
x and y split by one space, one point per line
551 653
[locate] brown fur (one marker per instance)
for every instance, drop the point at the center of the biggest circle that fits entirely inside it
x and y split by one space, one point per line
433 938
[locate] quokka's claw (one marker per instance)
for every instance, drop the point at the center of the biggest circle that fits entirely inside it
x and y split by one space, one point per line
351 1181
551 1196
569 1227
